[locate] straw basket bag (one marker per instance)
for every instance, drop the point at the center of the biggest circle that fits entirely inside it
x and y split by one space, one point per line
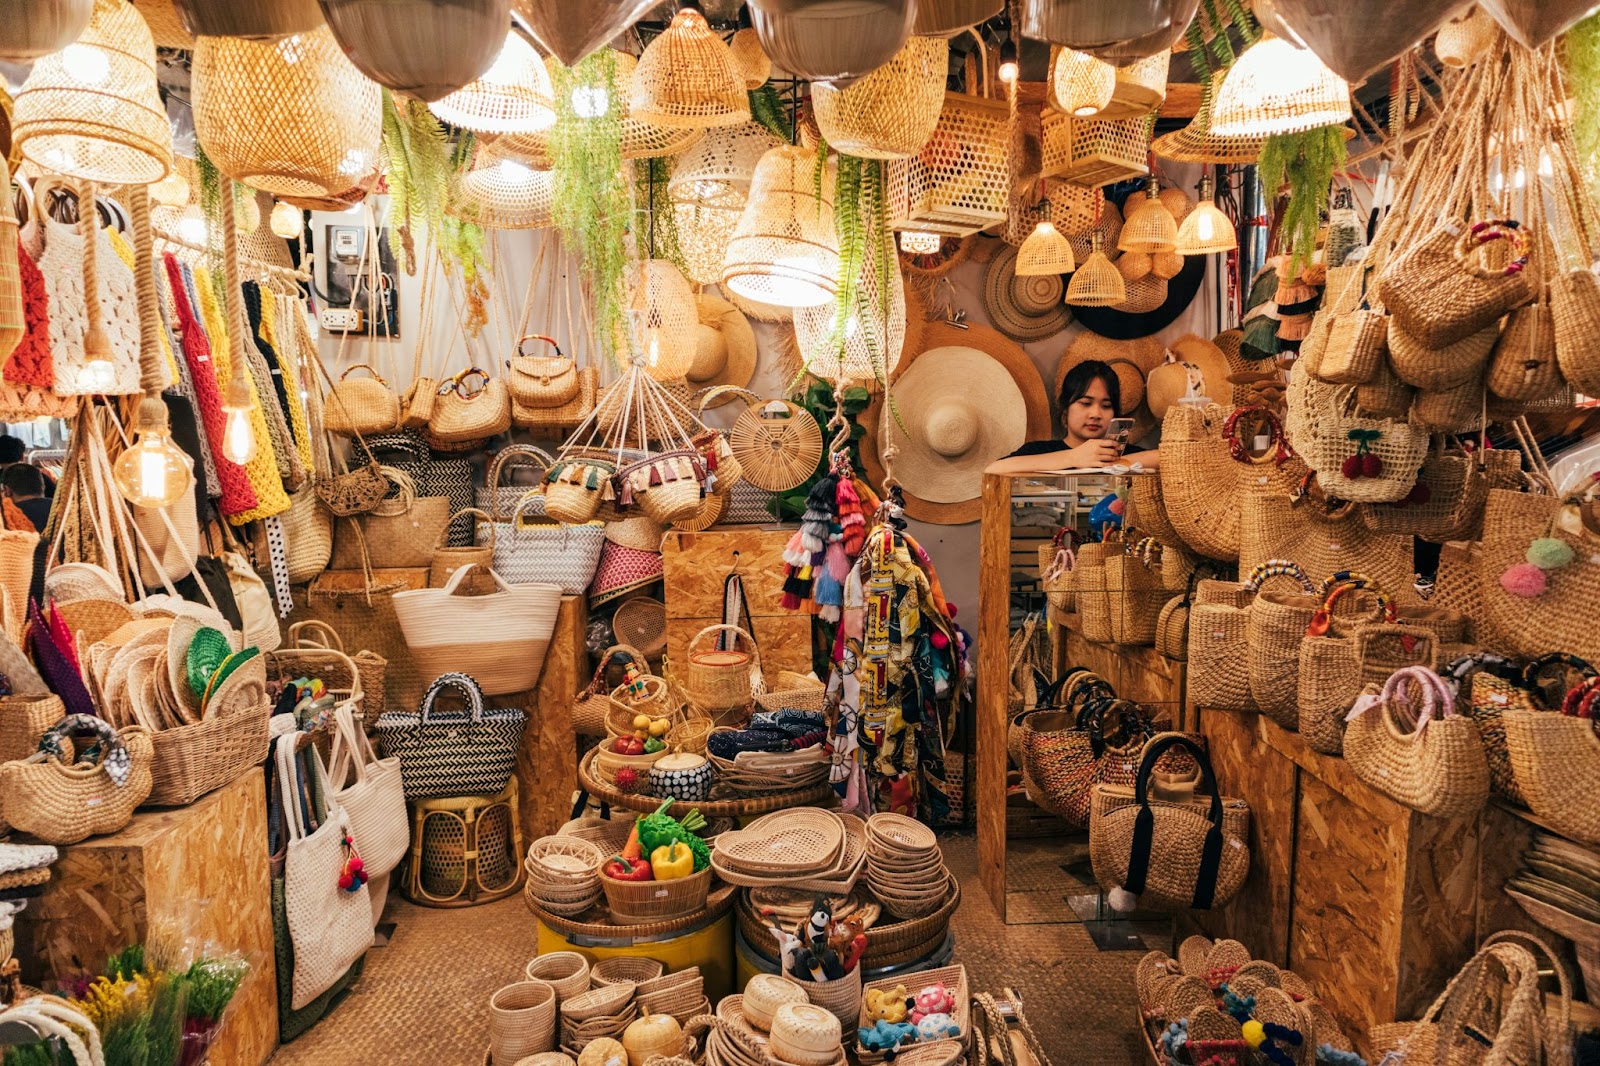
24 720
64 803
891 113
1195 470
189 761
466 753
573 489
1219 635
1136 593
1065 754
1363 460
1407 741
723 679
1278 624
1089 592
1338 665
542 380
591 706
1456 486
1555 758
1165 855
666 486
500 639
504 501
538 551
315 649
1559 615
447 560
1575 312
1056 578
463 417
361 405
1441 290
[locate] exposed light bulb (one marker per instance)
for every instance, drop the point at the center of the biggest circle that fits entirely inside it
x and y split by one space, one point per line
513 171
192 225
590 101
1203 228
86 64
97 376
652 346
286 221
238 436
1008 62
154 472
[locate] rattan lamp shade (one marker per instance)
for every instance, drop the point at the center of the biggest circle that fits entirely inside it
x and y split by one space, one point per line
1096 283
292 116
1141 87
890 113
93 109
750 59
422 48
512 96
1206 230
832 40
640 139
703 236
1178 202
1045 252
1150 226
33 28
958 183
1198 142
946 18
1277 88
1117 31
500 192
871 344
666 320
716 171
1080 84
784 250
256 19
686 78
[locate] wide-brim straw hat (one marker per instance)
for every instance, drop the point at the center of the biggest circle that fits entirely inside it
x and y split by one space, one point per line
966 398
1211 361
1023 308
622 570
1132 360
1121 324
725 347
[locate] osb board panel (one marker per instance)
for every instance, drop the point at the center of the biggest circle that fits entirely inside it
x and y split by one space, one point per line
1137 672
1438 931
1331 770
994 621
547 761
1349 891
784 641
1258 916
197 872
1503 837
695 565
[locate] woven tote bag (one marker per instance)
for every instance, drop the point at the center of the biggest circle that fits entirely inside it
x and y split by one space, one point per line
399 534
360 405
371 792
471 752
1336 667
1560 615
1443 288
64 803
1575 315
307 534
1523 367
1066 753
1324 539
1555 758
466 417
1089 593
500 638
1407 741
1217 675
549 552
1163 855
1486 688
1454 487
1276 625
1437 369
1195 470
510 499
432 475
329 927
1135 593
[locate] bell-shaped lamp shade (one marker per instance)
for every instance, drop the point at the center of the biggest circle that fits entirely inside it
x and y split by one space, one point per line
1206 230
686 78
866 346
571 29
1080 84
1045 252
512 96
750 59
1096 283
716 170
665 320
784 250
422 48
1150 227
1277 88
502 192
93 110
33 28
259 20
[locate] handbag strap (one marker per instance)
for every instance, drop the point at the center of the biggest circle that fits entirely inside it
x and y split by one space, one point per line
1282 451
551 341
462 683
1532 671
1144 823
1063 563
518 454
315 634
450 587
351 749
1433 696
444 533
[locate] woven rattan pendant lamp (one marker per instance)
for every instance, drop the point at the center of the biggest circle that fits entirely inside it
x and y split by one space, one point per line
293 116
666 322
750 59
512 96
717 170
703 236
33 28
1115 30
256 19
890 113
870 344
571 29
502 192
686 78
1045 252
1206 230
1096 283
1080 84
422 48
784 250
832 40
93 109
1150 227
1277 88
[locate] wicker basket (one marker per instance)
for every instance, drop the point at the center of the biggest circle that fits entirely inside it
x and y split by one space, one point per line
1141 88
566 971
24 720
573 489
891 113
316 649
723 680
840 998
954 979
958 182
195 759
64 804
639 902
625 969
607 763
1094 151
649 694
465 850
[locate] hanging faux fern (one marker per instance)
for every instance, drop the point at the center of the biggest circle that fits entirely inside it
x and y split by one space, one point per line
1582 54
766 108
418 166
655 219
1306 163
462 244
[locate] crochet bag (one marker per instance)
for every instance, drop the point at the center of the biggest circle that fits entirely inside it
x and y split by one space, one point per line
1456 281
1406 741
542 381
374 801
1337 666
361 405
1360 459
63 802
1168 856
471 752
1555 757
1534 610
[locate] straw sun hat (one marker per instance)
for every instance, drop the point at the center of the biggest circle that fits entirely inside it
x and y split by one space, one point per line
725 351
1023 308
966 398
1132 360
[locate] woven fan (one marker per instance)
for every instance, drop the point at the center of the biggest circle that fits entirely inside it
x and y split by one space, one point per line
778 445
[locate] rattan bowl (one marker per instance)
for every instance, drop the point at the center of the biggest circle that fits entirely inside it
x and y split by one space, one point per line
625 969
603 1001
566 971
805 1035
561 861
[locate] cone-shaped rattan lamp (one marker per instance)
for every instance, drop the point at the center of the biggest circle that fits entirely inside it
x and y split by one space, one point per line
784 250
1277 88
687 78
1206 230
1045 251
1150 227
1096 283
512 96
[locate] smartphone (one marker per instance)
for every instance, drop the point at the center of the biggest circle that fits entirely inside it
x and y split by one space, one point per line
1119 431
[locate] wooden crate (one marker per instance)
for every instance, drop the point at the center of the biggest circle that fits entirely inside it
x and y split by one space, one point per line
547 761
190 873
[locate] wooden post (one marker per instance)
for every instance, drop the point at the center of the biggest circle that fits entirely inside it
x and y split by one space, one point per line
994 632
547 761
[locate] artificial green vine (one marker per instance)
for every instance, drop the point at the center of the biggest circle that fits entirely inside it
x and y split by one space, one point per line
592 198
1306 162
766 108
418 165
1582 54
463 244
656 219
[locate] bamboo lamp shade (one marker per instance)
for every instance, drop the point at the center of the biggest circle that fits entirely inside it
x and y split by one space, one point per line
666 320
1107 226
1198 142
256 19
958 183
176 188
1095 152
286 221
501 192
640 139
512 96
1096 282
293 117
1080 85
93 109
703 236
716 171
832 40
1277 88
750 59
890 113
1141 87
947 18
686 78
1045 252
1142 296
422 48
871 342
784 250
1149 226
165 25
1206 230
33 28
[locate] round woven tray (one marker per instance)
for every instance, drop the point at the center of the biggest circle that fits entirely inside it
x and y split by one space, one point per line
817 795
718 903
888 943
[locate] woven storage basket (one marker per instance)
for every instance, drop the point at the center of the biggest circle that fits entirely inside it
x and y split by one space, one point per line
762 774
24 720
840 998
64 804
1437 766
522 1020
891 113
1556 761
957 183
1096 152
641 622
189 761
954 979
500 638
625 969
292 117
1559 617
723 680
566 971
608 763
639 902
1090 595
647 695
315 649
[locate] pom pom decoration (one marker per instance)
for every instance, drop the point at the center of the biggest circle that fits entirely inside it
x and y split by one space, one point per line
1524 580
1253 1032
1549 553
1118 506
1122 901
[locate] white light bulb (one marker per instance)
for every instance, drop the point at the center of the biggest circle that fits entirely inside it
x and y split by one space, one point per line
652 346
238 437
192 225
1203 229
1008 72
97 376
504 68
86 64
590 101
1547 168
511 170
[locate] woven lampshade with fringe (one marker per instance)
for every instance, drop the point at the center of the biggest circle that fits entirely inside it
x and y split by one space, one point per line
947 18
784 250
686 78
1277 88
1150 226
1198 142
513 96
1206 230
1141 87
871 346
716 171
890 113
93 110
418 47
500 192
293 117
958 183
1080 85
750 59
1045 251
668 322
640 139
35 28
1096 282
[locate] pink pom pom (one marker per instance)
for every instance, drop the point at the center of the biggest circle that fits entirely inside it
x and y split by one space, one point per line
346 882
1118 506
1524 580
940 641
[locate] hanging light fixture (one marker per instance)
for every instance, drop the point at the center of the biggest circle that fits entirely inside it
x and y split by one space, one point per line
503 192
1150 227
1080 84
1206 230
93 110
1045 252
571 29
259 20
867 344
920 242
172 190
686 77
716 170
703 236
30 29
1277 88
784 250
750 59
286 221
665 320
421 48
513 96
1008 62
1096 283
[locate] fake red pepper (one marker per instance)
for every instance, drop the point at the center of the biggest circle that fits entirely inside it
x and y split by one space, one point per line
621 869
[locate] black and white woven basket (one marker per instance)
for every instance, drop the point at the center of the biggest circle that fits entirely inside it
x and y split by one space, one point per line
454 753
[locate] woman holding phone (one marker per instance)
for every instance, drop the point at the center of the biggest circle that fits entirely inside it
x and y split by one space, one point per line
1091 409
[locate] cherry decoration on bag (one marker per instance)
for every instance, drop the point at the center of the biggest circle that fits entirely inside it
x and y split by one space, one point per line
1365 463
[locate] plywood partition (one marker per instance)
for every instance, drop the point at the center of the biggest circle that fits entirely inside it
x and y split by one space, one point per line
695 566
994 625
547 761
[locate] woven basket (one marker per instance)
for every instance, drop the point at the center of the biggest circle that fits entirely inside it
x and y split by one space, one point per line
1136 595
189 761
573 489
1400 449
1556 761
64 804
1438 294
1090 595
591 706
1437 767
1457 488
315 649
1096 152
957 183
565 971
892 112
686 78
1381 396
639 902
1523 365
522 1020
840 998
1425 368
291 117
641 622
1337 667
607 763
1141 88
954 979
723 680
1559 617
24 720
1172 629
1273 634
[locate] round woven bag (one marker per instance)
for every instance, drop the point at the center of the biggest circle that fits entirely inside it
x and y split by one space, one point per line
778 444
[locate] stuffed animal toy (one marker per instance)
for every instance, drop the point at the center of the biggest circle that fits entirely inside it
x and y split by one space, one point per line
891 1006
886 1036
932 999
937 1027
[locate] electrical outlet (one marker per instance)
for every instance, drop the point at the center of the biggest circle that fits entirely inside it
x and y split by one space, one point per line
340 319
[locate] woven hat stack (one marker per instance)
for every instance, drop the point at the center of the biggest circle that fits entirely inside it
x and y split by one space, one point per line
725 348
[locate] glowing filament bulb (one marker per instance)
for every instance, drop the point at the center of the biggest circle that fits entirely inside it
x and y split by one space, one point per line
238 436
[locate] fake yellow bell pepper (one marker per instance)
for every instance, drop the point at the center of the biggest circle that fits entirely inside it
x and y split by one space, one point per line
672 861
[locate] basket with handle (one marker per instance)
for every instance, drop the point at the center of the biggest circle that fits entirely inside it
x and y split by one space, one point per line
1553 758
1407 741
64 803
189 761
471 752
500 639
447 560
723 679
542 381
1218 635
573 489
1337 666
315 648
1279 621
528 549
956 183
361 405
647 694
591 705
505 502
641 902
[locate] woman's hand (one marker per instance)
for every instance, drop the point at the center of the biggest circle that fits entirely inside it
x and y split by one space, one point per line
1092 453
